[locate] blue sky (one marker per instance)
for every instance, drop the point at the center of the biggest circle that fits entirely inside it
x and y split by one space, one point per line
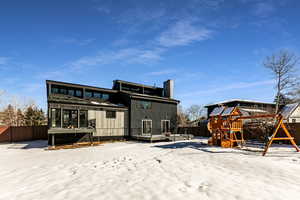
213 49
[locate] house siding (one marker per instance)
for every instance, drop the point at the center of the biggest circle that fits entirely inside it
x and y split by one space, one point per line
158 111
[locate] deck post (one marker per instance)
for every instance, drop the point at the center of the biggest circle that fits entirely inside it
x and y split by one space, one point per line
53 140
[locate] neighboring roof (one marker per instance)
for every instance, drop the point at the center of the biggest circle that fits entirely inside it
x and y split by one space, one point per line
81 86
253 110
228 111
217 111
75 100
238 100
149 97
288 109
137 84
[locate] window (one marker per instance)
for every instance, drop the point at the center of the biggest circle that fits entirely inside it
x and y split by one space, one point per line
63 91
144 105
55 118
146 126
78 93
88 94
110 114
71 92
97 95
165 126
293 120
83 119
54 90
70 119
105 96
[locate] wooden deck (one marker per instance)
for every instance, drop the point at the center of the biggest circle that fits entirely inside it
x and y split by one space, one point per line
153 138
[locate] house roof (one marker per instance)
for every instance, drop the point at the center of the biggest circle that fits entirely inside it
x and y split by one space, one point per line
136 84
150 97
81 86
288 109
75 100
238 100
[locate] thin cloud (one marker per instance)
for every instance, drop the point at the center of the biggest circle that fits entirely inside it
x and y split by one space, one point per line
74 41
104 10
4 60
127 55
264 9
183 33
162 72
239 85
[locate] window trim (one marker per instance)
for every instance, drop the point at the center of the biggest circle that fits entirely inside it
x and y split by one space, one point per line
161 125
150 120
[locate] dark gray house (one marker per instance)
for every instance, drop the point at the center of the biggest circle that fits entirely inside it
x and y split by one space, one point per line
128 110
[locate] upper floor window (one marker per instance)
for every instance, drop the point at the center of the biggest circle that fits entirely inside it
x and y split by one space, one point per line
54 90
78 93
111 114
88 94
97 95
105 96
71 92
144 105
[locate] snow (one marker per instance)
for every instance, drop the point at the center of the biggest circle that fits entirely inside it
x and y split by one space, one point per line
134 170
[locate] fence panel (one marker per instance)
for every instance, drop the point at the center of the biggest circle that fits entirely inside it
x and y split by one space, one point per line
4 134
23 133
40 132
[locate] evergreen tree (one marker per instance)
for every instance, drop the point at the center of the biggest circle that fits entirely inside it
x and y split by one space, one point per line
10 116
34 116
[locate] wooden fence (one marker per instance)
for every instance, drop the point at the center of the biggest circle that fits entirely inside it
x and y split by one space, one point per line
196 131
23 133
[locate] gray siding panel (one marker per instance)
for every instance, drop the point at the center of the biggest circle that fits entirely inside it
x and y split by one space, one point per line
159 111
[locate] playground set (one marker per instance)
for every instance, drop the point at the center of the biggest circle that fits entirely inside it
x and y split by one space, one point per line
226 126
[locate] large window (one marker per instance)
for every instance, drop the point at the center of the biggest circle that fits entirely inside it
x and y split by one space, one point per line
146 126
105 97
78 93
55 118
83 119
96 94
70 119
88 94
165 126
111 114
144 105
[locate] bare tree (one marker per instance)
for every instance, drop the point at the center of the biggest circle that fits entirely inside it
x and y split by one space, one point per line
283 66
182 117
195 112
1 97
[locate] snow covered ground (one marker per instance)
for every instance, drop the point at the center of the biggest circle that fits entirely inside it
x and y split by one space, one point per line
131 170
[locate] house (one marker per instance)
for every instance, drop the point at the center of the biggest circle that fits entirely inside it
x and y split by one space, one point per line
254 107
291 113
2 117
128 110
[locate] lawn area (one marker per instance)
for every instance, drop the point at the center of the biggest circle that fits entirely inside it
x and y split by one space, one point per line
133 170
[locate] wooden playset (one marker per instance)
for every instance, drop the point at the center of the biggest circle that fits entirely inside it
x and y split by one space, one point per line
226 127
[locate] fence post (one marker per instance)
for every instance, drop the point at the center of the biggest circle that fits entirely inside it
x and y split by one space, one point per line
10 134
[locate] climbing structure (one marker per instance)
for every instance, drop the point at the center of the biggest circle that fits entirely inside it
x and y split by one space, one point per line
226 126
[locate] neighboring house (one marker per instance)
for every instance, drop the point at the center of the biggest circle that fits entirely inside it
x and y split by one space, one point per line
2 116
249 106
127 110
291 113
